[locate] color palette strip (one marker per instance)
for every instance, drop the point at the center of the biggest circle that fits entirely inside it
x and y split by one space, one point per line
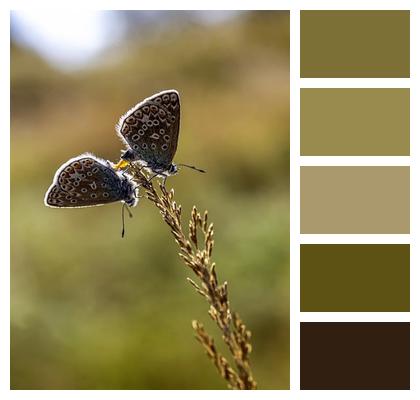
355 200
355 277
355 44
355 355
355 122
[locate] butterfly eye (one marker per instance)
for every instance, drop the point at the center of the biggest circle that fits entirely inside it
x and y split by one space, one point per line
135 137
83 190
161 131
164 147
135 147
165 98
130 120
153 146
106 194
149 123
144 146
138 114
166 138
154 109
141 132
173 97
146 109
93 195
73 201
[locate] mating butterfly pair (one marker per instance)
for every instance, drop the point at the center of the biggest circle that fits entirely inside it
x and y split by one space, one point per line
150 132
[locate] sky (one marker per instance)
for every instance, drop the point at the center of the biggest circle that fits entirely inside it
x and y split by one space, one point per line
65 37
71 39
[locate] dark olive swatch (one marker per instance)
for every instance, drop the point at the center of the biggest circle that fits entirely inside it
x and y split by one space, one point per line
355 44
354 355
355 277
355 122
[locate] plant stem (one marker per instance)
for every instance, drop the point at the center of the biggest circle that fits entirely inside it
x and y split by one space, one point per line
198 258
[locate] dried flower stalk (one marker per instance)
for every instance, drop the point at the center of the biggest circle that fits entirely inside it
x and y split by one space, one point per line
198 258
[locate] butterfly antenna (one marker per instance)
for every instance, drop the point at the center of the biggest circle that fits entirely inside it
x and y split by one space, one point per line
130 214
192 167
122 219
124 206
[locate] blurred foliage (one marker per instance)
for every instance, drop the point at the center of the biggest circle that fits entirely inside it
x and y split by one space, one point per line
92 311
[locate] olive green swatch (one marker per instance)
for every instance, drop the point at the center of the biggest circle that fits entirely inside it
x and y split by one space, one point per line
355 44
355 277
355 200
355 122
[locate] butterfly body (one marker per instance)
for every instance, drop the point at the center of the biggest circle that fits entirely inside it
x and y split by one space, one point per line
150 131
154 166
86 181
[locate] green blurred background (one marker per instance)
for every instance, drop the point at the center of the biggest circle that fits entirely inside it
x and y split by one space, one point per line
90 310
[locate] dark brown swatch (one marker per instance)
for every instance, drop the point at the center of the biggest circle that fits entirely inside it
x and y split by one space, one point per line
355 122
355 277
355 44
354 355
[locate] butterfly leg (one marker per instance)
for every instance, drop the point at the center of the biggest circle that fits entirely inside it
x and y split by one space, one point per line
139 196
153 176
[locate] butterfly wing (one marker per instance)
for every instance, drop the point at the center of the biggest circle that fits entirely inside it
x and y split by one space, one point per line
151 128
57 197
84 181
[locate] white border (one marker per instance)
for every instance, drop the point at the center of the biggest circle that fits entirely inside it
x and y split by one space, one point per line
294 198
295 84
5 208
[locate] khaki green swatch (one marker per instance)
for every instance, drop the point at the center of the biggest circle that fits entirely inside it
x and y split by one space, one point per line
355 122
355 277
355 200
355 44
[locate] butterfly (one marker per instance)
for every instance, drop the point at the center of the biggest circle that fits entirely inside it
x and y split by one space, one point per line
86 181
150 132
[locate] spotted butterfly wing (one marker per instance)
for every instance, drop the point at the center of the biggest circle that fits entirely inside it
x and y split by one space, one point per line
150 129
86 181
